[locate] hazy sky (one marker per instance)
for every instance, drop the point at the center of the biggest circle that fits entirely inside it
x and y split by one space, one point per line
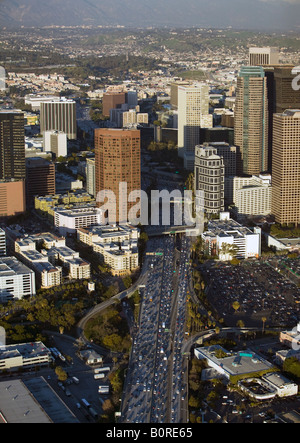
243 14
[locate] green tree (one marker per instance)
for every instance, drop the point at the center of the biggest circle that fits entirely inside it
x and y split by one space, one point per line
194 402
236 305
113 341
61 374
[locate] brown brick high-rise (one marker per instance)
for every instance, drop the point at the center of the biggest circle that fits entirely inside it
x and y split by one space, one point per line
112 100
118 160
286 168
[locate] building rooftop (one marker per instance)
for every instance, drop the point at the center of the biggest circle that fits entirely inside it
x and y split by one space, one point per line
11 266
295 113
25 350
78 211
17 405
225 228
245 362
277 379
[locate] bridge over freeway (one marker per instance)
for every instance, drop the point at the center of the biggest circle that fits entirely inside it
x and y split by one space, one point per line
172 230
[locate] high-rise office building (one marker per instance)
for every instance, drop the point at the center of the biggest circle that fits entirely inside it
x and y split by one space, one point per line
118 160
59 116
285 96
193 114
12 197
2 243
12 146
174 92
112 100
286 167
263 56
56 142
209 178
90 176
252 195
252 120
2 79
281 96
40 178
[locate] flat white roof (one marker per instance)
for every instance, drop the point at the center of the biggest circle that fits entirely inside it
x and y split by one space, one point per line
17 405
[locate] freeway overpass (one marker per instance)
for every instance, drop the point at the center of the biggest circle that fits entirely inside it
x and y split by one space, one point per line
172 230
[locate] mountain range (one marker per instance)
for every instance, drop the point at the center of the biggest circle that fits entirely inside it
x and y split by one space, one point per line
268 15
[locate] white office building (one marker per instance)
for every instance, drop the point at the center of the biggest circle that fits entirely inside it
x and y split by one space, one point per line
35 100
59 116
16 279
227 239
2 79
209 179
69 220
56 142
2 243
252 195
90 177
263 56
283 386
24 356
193 114
132 118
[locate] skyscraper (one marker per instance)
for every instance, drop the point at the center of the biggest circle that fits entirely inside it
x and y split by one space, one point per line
285 96
90 176
174 92
2 243
281 96
263 56
2 79
56 142
252 119
12 197
40 178
193 114
59 116
12 146
112 100
118 160
209 178
286 167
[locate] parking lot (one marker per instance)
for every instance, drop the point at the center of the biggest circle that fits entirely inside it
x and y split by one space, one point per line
72 393
261 290
232 407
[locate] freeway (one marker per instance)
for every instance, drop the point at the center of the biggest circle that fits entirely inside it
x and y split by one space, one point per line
179 386
156 379
144 398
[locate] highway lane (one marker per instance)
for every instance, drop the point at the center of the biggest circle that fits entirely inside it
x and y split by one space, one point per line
145 390
179 386
157 376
